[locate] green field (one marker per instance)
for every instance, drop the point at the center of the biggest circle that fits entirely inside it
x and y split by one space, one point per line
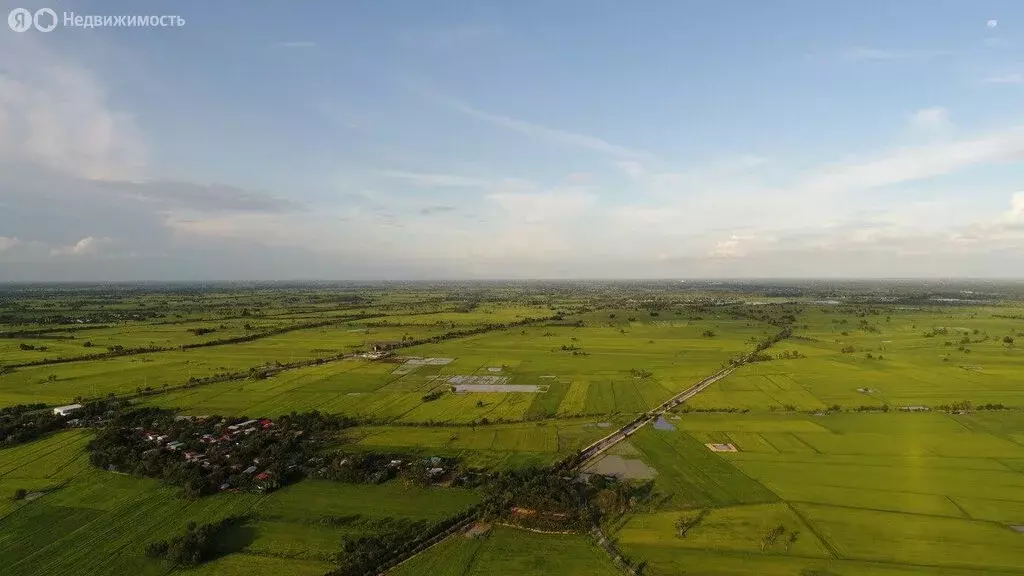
508 551
823 447
928 490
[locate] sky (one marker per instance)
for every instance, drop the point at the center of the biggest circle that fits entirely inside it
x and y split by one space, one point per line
389 139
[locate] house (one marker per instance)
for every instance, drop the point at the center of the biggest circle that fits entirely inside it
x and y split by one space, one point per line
435 471
65 410
249 470
175 445
266 482
266 423
241 425
384 346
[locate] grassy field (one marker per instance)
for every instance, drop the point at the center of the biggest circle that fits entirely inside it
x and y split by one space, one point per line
497 446
81 520
928 490
511 552
928 356
866 492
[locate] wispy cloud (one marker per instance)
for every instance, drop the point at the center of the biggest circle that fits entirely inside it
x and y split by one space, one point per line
869 54
426 211
533 129
437 180
458 36
1009 78
934 120
295 44
552 134
919 163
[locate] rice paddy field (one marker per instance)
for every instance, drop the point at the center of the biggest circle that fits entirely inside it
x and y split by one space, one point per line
80 520
885 436
926 356
931 492
511 552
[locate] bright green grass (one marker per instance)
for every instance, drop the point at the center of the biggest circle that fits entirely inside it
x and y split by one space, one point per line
94 522
452 557
916 539
671 562
512 552
914 370
127 373
318 498
492 446
737 528
931 491
244 564
692 475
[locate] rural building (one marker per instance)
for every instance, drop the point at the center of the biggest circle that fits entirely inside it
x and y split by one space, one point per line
914 408
65 410
384 346
249 470
175 445
241 425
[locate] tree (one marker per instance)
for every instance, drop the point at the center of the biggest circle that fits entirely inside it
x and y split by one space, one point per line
1008 340
792 539
771 535
20 494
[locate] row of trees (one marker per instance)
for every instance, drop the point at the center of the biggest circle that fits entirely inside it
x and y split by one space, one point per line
375 468
26 422
197 545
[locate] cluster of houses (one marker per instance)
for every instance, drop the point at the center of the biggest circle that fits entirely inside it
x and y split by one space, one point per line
263 481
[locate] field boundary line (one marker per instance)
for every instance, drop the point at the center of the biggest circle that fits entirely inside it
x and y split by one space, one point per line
960 508
816 531
808 444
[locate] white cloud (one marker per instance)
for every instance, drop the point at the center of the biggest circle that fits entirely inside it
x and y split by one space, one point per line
1008 78
296 44
869 54
1016 212
931 120
85 246
439 180
55 111
918 163
732 247
543 207
556 135
8 243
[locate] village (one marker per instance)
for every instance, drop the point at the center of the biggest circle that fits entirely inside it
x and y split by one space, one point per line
210 450
210 454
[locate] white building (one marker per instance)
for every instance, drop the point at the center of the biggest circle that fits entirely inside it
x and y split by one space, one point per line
65 410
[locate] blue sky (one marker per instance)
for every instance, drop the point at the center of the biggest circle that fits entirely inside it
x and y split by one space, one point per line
556 139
